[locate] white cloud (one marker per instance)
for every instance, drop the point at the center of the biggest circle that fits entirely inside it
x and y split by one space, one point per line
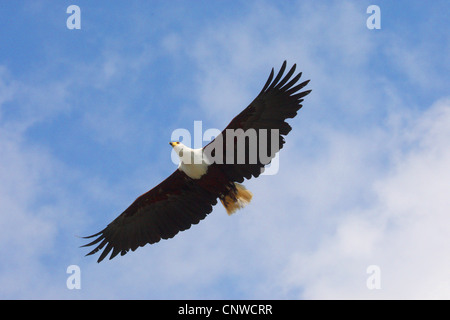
404 229
38 212
27 232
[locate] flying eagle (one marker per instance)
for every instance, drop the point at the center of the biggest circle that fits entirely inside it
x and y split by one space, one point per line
209 173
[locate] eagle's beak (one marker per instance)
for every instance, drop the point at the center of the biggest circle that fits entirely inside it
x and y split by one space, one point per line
171 143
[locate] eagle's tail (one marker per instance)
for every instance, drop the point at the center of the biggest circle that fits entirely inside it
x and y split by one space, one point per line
236 199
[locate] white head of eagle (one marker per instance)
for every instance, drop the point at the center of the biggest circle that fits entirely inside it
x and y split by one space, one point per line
192 161
188 195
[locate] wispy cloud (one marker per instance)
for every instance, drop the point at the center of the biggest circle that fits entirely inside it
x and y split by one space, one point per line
402 229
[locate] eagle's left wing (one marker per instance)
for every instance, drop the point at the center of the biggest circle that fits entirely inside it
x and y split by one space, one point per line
172 206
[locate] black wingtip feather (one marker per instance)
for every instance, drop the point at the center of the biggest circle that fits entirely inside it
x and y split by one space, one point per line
105 252
278 77
286 77
269 80
292 82
302 94
94 235
95 241
297 87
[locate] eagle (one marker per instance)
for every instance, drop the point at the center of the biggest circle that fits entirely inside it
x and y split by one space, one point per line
215 172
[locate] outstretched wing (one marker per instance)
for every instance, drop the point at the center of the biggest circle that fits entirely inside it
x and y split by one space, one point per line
279 100
174 205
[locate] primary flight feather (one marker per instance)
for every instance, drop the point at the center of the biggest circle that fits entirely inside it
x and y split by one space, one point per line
213 172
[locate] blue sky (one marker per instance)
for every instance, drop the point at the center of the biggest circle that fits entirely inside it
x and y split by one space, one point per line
85 117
